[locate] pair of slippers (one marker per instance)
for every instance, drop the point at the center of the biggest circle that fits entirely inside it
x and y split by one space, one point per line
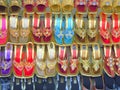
64 34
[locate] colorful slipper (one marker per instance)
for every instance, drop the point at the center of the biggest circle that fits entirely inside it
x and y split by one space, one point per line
47 32
7 60
109 61
93 5
96 61
117 59
18 64
116 6
41 6
3 29
29 6
73 68
62 61
92 31
51 60
15 7
40 62
3 7
115 28
58 33
85 66
55 5
36 31
81 5
29 63
80 32
104 29
24 30
14 29
67 5
69 33
106 6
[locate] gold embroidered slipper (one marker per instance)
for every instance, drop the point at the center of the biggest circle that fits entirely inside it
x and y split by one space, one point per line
85 65
116 6
80 30
67 6
51 60
14 29
92 28
106 6
15 7
40 62
96 61
55 6
3 7
24 30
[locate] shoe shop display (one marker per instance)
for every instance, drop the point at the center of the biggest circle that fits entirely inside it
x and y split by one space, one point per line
59 44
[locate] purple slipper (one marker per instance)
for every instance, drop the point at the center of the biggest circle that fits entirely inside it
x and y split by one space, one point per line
7 60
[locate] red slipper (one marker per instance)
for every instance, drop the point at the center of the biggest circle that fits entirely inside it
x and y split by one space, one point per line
108 61
116 28
36 31
104 29
18 64
29 63
117 59
47 32
63 62
74 60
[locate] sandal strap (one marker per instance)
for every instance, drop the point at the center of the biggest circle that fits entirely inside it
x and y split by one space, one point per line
41 65
64 64
79 21
73 63
29 65
6 64
62 52
86 64
110 63
96 64
84 51
69 22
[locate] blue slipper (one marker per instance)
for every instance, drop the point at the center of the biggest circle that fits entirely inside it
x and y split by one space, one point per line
58 33
69 33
